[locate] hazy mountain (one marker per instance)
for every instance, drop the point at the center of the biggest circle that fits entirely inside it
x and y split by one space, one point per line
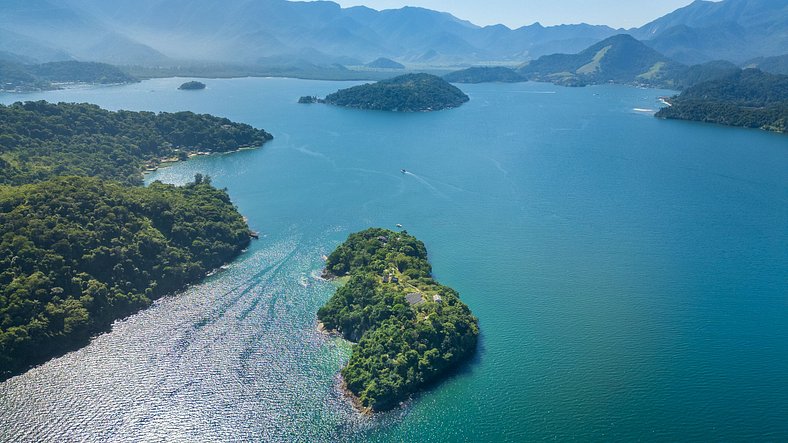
385 63
619 59
735 30
287 33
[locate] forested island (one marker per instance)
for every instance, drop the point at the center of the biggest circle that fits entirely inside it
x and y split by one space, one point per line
39 140
405 93
80 244
748 98
47 76
409 330
192 86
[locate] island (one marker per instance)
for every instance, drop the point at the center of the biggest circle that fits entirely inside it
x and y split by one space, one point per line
82 243
405 93
749 98
485 74
192 86
409 330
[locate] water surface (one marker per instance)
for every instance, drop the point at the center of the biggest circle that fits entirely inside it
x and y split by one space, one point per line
629 275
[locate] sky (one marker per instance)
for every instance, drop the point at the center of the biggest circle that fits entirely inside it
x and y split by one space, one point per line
516 13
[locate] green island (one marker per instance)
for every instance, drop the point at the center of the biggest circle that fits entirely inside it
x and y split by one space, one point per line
405 93
749 98
81 242
192 86
39 140
47 76
410 331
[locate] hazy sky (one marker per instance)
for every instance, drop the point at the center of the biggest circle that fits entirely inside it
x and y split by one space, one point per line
516 13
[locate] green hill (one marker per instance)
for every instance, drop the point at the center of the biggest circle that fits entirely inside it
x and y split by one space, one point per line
750 98
410 330
774 65
618 59
481 74
406 93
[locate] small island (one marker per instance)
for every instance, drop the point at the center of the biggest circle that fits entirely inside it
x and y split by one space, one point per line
405 93
192 86
749 98
409 330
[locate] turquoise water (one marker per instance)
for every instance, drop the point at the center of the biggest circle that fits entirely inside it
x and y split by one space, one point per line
629 275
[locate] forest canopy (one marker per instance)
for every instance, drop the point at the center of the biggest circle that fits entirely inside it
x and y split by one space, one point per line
410 330
39 140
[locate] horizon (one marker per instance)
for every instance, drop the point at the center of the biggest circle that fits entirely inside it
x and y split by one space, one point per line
515 14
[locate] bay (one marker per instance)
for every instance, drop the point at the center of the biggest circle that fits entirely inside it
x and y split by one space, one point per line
629 275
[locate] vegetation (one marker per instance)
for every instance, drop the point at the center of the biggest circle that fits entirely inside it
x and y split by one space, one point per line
775 65
192 86
618 59
401 345
18 77
78 252
405 93
748 98
39 140
485 75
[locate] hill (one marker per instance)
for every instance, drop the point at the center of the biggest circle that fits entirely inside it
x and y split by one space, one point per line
410 330
385 63
484 75
406 93
618 59
19 77
750 98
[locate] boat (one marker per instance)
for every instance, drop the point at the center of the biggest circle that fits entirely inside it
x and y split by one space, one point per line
403 171
399 225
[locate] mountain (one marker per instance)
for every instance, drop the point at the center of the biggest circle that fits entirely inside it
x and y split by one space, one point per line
748 98
618 59
484 75
734 30
385 63
775 65
156 32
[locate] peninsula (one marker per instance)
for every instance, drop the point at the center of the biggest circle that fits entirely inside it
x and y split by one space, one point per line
749 98
81 242
405 93
409 330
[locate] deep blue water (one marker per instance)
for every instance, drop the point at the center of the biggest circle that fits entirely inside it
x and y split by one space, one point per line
630 275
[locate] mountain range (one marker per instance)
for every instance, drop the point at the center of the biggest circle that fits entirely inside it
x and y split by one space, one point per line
271 32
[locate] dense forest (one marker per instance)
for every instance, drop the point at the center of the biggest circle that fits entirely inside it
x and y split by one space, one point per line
409 329
19 77
79 246
405 93
39 140
78 252
748 98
